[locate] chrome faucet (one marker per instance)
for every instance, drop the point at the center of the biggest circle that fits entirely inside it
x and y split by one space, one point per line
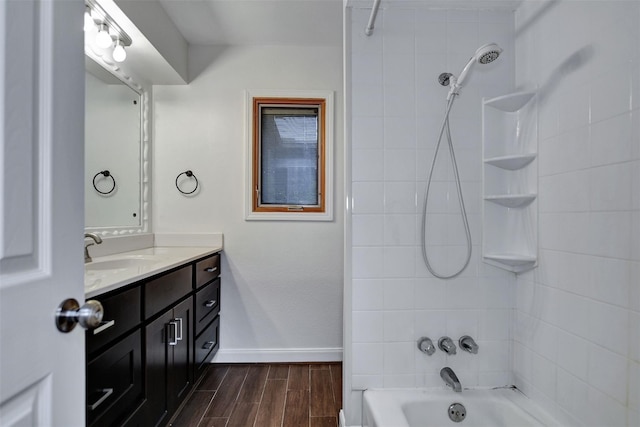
451 379
468 344
426 346
446 344
97 239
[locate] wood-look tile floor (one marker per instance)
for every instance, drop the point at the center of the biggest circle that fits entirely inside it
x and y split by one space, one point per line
265 395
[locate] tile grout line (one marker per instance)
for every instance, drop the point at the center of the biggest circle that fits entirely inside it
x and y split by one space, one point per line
215 392
255 420
286 394
309 403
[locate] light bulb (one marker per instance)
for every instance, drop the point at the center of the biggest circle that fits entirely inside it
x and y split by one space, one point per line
119 54
88 20
103 39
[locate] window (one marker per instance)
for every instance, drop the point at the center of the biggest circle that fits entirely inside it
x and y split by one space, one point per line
290 145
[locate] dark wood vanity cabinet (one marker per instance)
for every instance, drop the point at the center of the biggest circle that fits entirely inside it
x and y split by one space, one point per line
157 336
169 361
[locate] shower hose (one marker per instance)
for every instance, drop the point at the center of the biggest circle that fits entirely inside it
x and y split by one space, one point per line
445 129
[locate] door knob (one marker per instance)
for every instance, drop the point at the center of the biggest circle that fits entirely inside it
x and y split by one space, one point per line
69 314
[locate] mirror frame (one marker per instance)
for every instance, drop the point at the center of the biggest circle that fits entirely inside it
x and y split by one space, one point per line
144 227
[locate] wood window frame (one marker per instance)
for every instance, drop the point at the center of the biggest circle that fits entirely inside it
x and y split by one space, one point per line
323 210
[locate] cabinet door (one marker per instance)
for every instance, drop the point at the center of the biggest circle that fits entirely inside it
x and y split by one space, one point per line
181 355
114 382
159 334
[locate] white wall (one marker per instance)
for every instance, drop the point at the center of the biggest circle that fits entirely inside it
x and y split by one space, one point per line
397 108
577 332
281 281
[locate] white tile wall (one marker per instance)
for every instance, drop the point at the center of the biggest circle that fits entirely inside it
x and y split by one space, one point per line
585 290
573 341
397 112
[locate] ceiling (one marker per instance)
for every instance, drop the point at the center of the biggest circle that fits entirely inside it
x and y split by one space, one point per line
282 22
257 22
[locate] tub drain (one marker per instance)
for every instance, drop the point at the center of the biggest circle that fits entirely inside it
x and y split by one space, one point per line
457 412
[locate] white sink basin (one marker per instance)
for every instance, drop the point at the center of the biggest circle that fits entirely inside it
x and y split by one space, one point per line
121 263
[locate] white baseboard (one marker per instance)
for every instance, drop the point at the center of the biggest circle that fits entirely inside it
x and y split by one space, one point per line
278 355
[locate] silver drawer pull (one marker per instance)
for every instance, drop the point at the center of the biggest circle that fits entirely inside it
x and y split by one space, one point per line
106 392
210 303
103 326
175 333
179 329
211 269
208 345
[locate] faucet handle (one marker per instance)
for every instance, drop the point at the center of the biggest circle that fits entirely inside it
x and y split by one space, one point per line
468 344
425 345
446 344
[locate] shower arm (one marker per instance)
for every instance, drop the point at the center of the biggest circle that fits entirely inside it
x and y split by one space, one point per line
372 18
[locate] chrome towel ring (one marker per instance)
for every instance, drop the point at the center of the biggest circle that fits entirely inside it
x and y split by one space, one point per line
189 174
106 174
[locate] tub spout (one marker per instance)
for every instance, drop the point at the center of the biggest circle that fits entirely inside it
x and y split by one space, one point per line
451 379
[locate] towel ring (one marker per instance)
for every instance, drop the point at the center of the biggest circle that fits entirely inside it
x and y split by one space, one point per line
106 174
189 174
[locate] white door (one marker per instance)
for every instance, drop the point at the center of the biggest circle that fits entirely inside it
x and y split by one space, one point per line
42 380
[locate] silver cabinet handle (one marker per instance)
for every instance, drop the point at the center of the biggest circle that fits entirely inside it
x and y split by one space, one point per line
210 303
106 392
178 329
208 345
211 269
104 325
175 333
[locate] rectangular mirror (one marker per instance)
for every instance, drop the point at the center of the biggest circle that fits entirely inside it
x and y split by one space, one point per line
115 167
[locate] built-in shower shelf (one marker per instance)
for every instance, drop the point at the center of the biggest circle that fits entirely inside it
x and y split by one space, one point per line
511 162
510 181
513 262
510 103
512 200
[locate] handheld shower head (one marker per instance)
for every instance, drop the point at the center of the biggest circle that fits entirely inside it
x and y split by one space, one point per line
484 55
487 53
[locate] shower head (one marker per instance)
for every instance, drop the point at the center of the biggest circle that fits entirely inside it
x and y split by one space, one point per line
484 55
487 53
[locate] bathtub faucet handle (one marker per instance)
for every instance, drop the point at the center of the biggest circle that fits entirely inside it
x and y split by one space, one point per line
468 344
425 345
446 344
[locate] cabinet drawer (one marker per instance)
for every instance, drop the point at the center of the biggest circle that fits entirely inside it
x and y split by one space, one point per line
114 382
207 304
207 270
164 291
121 314
207 345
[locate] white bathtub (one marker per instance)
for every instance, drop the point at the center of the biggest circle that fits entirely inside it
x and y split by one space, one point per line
504 407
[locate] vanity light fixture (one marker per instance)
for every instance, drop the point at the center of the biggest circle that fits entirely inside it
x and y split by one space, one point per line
109 33
103 39
119 54
88 20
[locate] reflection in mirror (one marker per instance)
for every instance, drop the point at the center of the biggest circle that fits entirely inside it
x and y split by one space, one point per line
115 169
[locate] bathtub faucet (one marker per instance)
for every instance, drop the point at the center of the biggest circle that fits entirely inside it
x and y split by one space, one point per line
446 344
468 344
451 379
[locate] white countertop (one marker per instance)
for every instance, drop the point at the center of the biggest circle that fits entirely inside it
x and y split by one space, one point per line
143 263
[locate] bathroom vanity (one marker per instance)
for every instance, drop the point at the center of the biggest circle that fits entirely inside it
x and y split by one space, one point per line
160 328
